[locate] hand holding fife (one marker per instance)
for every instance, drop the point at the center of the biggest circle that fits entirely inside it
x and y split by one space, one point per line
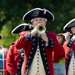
67 36
34 31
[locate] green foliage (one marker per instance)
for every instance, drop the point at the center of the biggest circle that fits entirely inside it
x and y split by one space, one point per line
11 13
8 38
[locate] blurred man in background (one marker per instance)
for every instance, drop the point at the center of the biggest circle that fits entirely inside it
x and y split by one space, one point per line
15 57
59 65
69 46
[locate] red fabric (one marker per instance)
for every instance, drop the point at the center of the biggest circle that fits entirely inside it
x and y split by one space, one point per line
58 49
57 58
66 48
73 46
12 60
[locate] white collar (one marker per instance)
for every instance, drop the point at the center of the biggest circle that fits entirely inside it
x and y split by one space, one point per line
73 37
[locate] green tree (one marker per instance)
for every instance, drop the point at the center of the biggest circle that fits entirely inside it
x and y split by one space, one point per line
11 13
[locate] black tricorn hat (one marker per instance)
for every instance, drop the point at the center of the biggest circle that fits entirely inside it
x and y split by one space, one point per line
69 25
38 12
1 36
22 27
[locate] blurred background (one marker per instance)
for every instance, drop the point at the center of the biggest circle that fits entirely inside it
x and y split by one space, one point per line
12 11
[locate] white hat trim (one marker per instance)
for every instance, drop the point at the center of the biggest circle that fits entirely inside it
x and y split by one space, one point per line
39 9
30 11
18 26
68 23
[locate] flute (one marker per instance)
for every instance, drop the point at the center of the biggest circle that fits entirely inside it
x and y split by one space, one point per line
62 34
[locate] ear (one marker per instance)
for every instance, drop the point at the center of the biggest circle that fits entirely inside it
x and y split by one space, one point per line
31 20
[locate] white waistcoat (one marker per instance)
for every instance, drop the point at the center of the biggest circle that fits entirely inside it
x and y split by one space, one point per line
37 65
71 70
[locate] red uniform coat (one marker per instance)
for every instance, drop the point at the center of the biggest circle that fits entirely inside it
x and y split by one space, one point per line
12 60
28 44
56 58
68 46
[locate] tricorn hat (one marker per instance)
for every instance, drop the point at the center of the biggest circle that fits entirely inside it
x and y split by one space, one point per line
69 25
1 36
38 12
22 27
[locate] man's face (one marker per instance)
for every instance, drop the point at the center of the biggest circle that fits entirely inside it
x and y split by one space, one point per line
73 30
37 21
60 38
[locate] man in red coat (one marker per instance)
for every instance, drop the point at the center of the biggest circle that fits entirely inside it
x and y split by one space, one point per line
14 56
69 46
60 40
13 64
59 65
38 44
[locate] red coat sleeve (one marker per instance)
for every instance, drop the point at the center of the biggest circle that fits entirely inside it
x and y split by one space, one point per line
57 58
10 61
73 46
58 49
21 41
66 48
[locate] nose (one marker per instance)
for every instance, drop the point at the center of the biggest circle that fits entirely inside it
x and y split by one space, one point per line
39 21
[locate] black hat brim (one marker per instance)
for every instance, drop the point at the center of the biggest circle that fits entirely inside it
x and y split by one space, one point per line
69 25
38 12
1 36
22 27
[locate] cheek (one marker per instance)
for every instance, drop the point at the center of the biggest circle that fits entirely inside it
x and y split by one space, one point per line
34 24
44 23
72 30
